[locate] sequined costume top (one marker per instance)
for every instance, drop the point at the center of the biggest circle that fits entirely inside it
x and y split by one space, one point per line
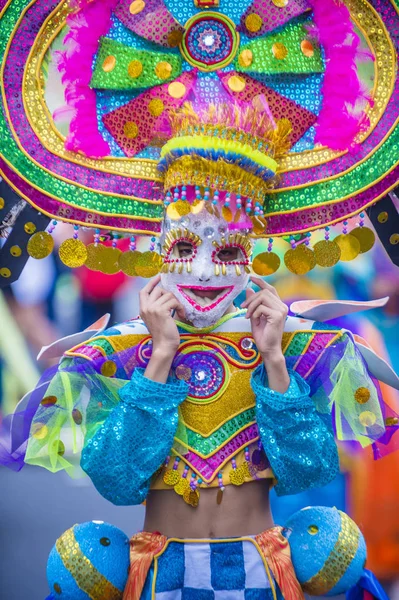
214 423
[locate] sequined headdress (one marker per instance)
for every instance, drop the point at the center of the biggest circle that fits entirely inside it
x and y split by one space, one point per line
87 88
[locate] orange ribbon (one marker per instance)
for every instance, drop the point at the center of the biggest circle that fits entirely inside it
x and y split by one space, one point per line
276 550
143 547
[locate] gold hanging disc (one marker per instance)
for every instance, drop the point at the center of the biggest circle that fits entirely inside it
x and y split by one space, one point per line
171 477
227 214
177 210
73 253
182 207
366 237
197 206
349 245
148 264
300 260
94 254
128 261
191 497
259 224
266 263
181 486
40 245
109 260
327 253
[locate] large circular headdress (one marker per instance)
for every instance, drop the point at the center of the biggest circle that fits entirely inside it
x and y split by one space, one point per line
87 88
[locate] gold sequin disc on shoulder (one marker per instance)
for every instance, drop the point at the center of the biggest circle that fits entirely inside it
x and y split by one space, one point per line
366 237
40 245
349 245
148 264
367 418
73 253
109 368
128 261
300 260
266 263
327 253
362 395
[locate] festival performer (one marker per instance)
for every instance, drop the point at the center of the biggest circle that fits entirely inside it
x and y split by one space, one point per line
199 406
198 397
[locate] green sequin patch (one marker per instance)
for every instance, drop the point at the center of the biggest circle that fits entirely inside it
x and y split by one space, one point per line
119 67
298 344
289 51
103 344
208 445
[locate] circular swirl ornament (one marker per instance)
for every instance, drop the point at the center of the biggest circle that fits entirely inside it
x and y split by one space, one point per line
73 253
210 41
327 253
266 263
40 245
205 373
300 260
349 245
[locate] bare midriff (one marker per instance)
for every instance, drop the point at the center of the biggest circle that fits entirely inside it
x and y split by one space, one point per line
244 510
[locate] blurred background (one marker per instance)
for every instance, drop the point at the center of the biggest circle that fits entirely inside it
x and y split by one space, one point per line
50 301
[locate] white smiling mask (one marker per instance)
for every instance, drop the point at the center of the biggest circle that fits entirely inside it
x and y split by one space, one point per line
207 265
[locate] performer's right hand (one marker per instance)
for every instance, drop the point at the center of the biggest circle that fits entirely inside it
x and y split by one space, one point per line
156 307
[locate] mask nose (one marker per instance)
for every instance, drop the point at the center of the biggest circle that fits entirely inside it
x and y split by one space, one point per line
203 279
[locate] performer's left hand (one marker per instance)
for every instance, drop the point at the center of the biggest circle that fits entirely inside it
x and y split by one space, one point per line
267 314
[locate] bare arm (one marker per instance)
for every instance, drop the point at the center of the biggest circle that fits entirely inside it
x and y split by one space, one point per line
268 314
156 306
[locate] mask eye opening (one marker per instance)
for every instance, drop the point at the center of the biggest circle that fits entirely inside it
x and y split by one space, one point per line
242 257
189 242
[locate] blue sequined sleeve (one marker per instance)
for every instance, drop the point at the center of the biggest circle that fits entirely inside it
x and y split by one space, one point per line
135 439
299 444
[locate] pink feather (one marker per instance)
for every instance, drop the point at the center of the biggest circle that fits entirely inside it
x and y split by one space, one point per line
87 25
339 120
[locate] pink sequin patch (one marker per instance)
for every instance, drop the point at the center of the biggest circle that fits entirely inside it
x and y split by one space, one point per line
136 115
281 107
315 349
154 23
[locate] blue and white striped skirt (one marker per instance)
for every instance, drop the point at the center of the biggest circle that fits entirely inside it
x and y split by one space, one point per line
221 569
